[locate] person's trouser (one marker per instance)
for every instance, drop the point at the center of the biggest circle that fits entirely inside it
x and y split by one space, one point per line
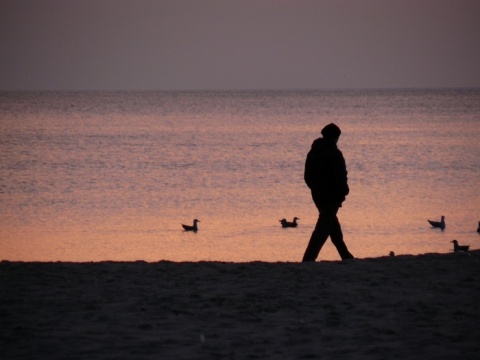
327 225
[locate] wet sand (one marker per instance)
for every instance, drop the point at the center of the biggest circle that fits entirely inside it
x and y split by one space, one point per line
404 307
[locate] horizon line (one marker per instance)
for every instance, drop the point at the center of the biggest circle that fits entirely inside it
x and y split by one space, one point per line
459 88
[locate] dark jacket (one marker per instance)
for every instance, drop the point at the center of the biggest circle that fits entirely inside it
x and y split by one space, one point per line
326 173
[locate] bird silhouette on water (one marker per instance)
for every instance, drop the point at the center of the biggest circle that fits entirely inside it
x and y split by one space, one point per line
286 224
457 247
193 227
438 224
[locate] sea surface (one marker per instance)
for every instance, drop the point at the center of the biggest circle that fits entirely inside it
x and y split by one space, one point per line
91 176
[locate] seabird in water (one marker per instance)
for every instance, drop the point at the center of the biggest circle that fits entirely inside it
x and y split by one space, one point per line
190 227
439 224
286 223
457 247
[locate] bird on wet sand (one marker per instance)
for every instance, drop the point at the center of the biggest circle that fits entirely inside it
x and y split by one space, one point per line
286 224
193 227
457 247
438 224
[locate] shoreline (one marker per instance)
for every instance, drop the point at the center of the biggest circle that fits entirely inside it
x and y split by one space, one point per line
408 306
179 262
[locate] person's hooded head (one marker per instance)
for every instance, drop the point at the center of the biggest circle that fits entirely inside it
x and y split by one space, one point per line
331 131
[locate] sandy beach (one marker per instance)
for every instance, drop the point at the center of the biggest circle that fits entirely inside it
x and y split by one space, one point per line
404 307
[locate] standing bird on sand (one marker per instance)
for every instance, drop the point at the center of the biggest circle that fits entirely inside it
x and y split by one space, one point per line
438 224
457 247
286 224
193 228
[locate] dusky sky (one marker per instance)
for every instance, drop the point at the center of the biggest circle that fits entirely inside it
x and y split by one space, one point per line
238 44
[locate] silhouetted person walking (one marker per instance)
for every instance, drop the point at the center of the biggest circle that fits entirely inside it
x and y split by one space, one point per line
326 176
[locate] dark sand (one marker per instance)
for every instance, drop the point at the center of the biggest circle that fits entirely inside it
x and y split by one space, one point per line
404 307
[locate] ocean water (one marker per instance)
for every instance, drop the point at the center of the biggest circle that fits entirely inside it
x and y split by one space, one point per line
112 176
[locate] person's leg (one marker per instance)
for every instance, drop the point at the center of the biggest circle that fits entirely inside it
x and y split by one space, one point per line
319 236
336 235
